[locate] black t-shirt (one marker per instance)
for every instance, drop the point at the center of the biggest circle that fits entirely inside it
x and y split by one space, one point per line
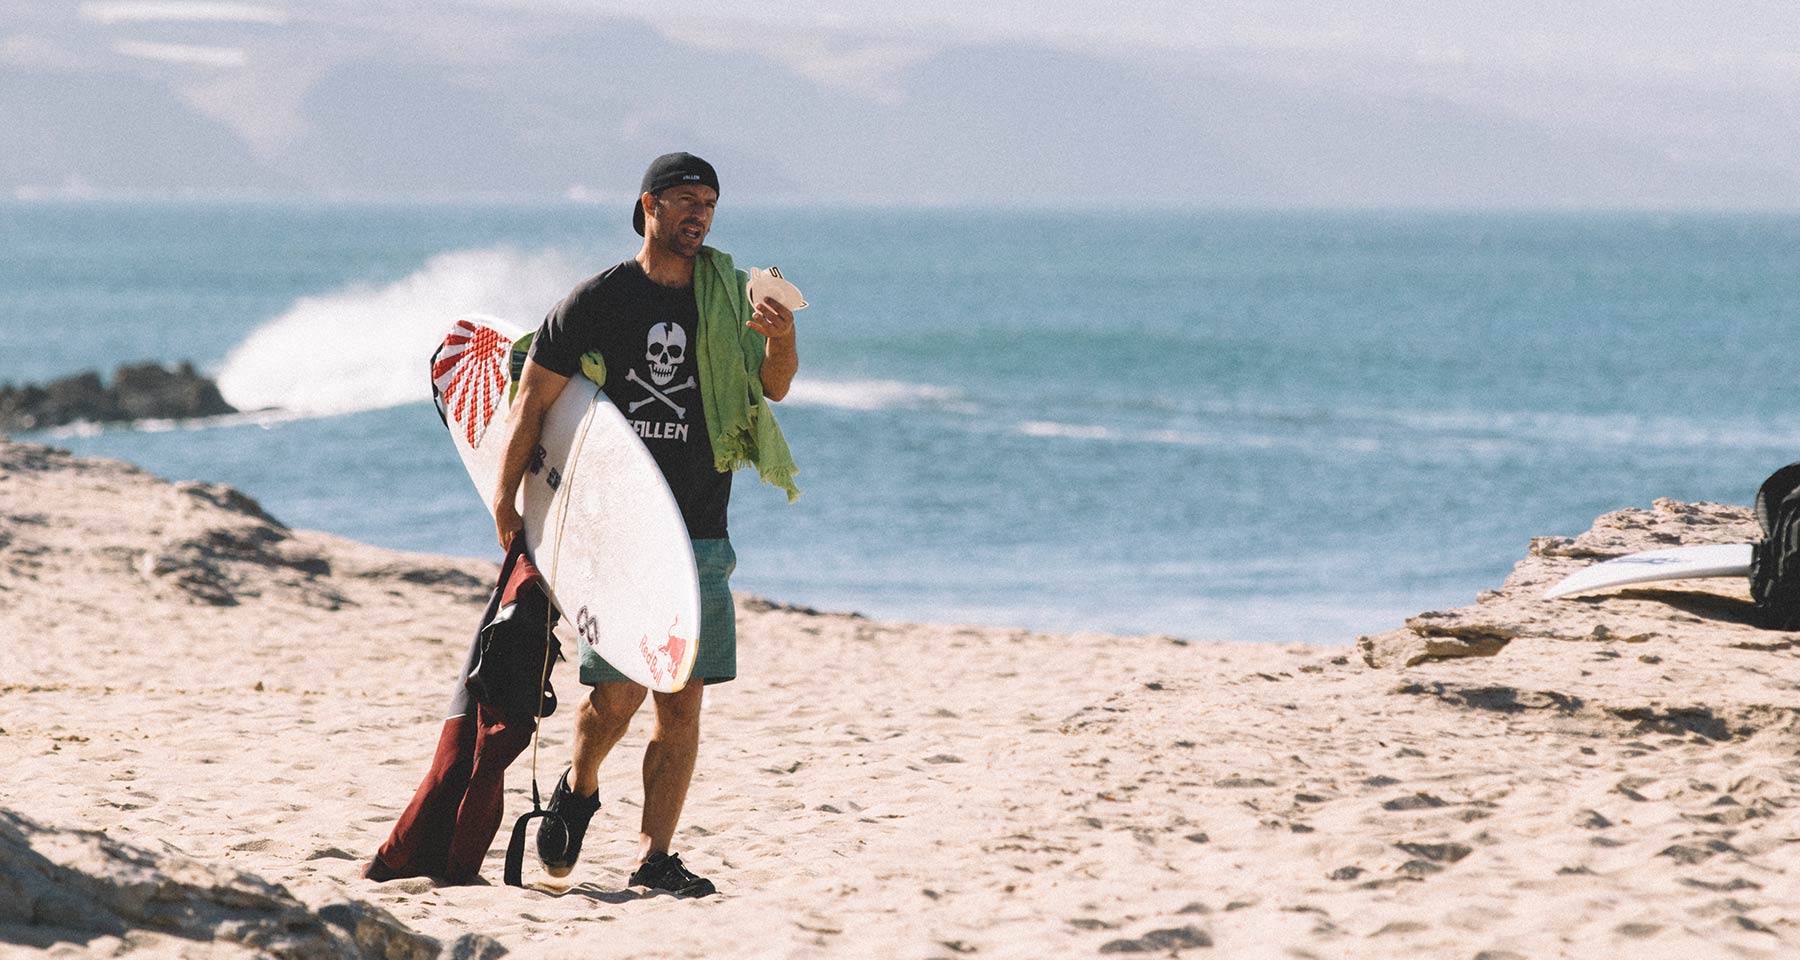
645 333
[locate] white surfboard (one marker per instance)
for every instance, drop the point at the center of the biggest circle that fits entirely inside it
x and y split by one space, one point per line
600 522
1674 563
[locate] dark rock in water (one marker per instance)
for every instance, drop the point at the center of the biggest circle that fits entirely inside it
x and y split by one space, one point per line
61 401
138 392
150 390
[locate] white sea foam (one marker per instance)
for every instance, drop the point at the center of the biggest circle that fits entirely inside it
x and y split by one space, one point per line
1073 431
1479 432
870 394
82 429
1198 438
74 431
1229 438
1597 430
366 347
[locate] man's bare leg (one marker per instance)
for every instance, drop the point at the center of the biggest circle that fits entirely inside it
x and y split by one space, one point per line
669 766
600 721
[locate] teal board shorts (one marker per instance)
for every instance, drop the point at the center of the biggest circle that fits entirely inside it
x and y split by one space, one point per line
717 660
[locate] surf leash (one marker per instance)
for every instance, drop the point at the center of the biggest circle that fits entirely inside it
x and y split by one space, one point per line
515 848
514 874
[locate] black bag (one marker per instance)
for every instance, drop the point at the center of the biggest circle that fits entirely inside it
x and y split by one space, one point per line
1775 561
509 672
515 649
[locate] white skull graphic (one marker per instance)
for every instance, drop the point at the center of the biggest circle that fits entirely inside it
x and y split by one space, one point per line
668 344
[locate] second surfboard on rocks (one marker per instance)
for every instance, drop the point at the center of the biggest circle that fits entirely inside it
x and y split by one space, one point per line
1653 566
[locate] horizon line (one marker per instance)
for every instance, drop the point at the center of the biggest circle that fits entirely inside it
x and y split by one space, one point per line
920 205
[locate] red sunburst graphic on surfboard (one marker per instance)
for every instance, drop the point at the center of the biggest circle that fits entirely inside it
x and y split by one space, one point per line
469 375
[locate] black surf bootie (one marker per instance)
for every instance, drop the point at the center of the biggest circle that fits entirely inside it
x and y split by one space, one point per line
664 872
559 837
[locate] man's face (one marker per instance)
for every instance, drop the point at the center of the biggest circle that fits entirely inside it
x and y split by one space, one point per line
680 217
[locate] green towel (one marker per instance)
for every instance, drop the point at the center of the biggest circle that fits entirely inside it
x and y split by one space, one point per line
738 419
739 422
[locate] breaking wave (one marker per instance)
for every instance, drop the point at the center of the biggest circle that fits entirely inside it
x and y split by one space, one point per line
366 347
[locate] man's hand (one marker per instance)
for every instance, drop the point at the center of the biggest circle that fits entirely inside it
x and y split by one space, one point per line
780 359
507 523
772 320
538 389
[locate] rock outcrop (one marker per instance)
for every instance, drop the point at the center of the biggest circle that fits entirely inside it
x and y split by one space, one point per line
138 392
1518 610
196 543
82 887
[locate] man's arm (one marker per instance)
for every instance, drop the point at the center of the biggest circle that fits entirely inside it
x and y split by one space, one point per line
780 360
538 389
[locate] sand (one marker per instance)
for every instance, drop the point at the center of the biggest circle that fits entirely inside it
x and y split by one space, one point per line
210 688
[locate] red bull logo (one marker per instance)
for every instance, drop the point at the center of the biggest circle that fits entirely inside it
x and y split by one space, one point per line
666 657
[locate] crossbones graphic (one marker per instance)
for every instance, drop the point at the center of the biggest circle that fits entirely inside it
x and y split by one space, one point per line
662 395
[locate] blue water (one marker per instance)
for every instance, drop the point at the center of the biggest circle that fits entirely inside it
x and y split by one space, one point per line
1293 426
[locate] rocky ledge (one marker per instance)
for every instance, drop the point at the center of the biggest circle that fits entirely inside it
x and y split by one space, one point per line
1718 607
83 888
1681 658
201 544
145 391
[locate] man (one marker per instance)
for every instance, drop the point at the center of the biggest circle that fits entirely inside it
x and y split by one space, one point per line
672 337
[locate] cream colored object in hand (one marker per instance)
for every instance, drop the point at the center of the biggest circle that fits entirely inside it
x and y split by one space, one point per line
770 284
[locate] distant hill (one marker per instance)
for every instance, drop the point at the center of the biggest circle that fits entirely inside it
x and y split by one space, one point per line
489 102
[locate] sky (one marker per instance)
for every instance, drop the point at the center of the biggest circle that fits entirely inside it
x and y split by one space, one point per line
1515 103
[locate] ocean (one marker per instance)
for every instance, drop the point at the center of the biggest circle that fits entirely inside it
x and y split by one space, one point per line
1283 426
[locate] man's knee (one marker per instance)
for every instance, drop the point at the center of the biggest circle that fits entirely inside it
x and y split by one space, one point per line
680 710
613 704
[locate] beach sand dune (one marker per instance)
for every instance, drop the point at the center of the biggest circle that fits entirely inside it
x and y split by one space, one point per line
1594 777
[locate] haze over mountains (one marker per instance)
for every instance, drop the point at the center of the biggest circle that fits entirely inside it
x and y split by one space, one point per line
553 100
